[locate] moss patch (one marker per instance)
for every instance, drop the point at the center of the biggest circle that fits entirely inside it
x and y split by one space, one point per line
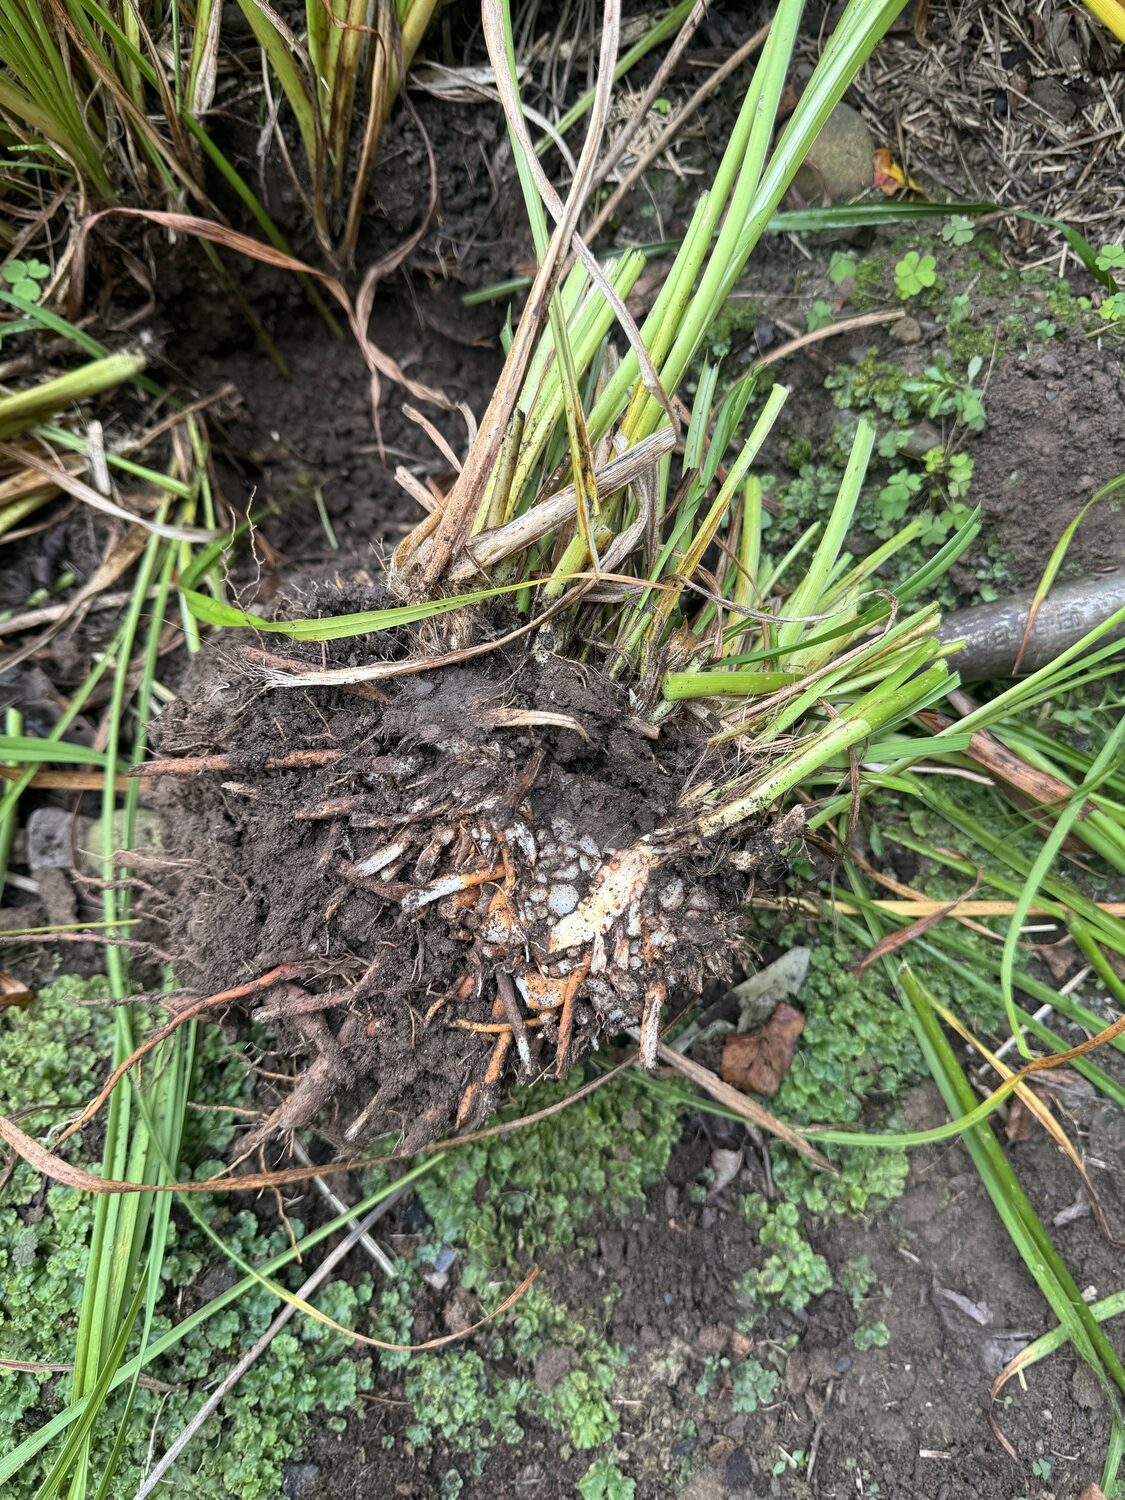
53 1054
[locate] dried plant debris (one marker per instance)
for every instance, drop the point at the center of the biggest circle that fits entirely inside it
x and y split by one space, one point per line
479 878
1018 104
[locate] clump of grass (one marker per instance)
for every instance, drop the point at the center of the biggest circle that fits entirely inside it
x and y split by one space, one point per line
652 570
340 80
119 103
87 99
124 103
144 1123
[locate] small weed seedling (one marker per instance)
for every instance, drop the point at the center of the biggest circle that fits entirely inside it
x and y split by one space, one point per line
1112 259
871 1336
942 394
959 231
603 1480
914 273
26 277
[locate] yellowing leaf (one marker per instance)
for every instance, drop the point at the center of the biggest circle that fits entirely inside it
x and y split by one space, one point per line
890 177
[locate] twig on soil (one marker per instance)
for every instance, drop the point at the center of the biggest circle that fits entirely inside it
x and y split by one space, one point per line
48 613
338 1206
64 781
291 761
830 330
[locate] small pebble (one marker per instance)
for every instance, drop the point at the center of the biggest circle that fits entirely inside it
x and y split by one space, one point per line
562 899
147 836
299 1479
671 897
48 839
839 164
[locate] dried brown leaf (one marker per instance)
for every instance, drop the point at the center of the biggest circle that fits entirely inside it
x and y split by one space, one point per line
756 1062
13 991
749 1109
1020 1124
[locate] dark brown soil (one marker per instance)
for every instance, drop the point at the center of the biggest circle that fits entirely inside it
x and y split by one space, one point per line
1055 421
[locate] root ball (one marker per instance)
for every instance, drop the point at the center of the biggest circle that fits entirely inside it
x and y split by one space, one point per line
475 891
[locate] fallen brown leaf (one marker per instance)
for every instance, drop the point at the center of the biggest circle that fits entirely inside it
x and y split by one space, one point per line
1037 785
757 1114
756 1062
1020 1123
13 991
1058 957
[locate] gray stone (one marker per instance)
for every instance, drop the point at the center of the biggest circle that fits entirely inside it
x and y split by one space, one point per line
299 1479
741 1471
838 166
920 438
907 331
552 1364
1086 1388
57 895
48 837
1054 99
